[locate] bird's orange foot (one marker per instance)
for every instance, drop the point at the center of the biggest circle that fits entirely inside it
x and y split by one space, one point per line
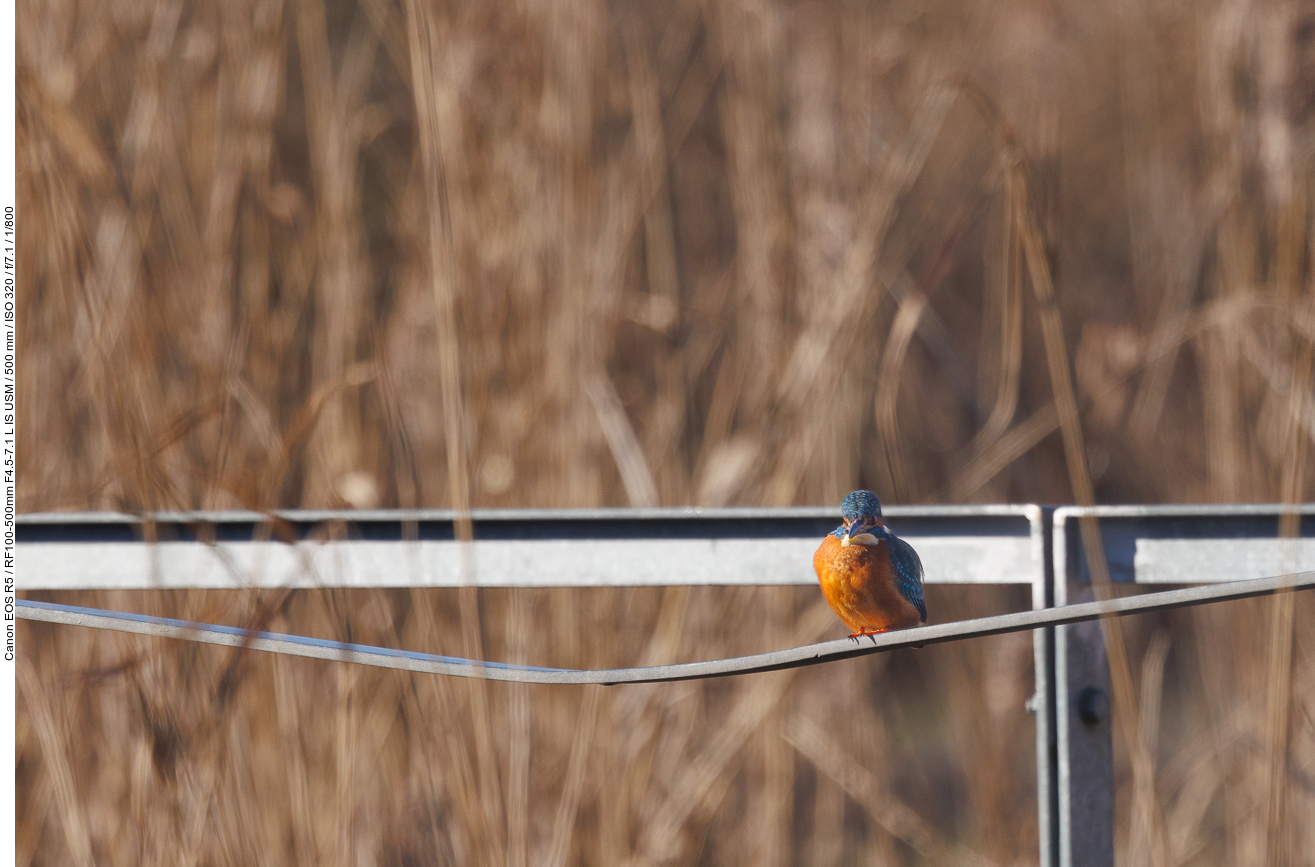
869 632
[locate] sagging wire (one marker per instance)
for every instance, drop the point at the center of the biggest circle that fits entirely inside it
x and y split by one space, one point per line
813 654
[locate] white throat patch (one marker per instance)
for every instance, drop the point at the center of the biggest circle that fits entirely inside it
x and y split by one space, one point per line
860 539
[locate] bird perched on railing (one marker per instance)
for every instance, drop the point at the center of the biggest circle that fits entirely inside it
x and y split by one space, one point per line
871 578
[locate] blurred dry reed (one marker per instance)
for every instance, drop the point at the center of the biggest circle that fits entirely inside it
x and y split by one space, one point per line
335 254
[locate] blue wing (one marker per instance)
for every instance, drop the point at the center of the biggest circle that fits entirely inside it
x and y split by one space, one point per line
908 573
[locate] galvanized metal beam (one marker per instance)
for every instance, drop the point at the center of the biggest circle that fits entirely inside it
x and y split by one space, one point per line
578 548
1187 544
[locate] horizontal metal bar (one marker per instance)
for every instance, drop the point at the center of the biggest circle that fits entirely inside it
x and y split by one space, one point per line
1186 544
362 517
549 548
831 651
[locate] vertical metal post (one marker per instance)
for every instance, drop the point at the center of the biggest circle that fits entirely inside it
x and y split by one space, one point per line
1085 748
1083 728
1042 703
1047 783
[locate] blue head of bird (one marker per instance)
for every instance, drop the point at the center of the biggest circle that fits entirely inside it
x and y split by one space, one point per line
861 511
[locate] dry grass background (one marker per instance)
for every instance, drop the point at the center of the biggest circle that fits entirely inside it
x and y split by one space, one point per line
290 253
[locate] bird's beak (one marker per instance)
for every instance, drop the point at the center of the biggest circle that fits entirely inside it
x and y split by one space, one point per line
859 533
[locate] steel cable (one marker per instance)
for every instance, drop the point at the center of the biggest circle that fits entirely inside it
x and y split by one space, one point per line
813 654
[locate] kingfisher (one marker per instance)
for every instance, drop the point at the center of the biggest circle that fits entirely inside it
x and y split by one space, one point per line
871 578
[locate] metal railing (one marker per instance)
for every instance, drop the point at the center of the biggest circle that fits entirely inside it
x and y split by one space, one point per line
617 548
1145 545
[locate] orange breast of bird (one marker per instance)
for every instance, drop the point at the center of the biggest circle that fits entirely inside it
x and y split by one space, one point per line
859 583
